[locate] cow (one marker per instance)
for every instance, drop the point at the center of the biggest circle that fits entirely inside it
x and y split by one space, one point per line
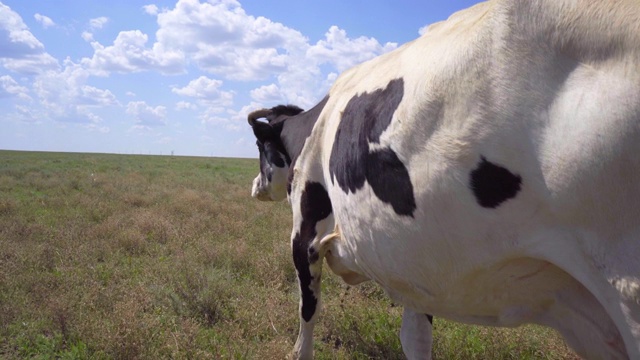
487 172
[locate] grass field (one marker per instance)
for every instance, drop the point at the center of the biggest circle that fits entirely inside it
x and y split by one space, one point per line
147 257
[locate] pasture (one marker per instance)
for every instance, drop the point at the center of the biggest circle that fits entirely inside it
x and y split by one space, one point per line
152 257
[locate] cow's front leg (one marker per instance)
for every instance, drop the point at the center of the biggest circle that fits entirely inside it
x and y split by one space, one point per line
415 335
310 218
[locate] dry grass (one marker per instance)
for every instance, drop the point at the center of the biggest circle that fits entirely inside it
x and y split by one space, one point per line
137 257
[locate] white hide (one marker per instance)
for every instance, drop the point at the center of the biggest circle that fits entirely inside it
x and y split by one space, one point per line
549 89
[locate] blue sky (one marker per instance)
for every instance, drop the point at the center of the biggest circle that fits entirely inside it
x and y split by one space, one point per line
131 77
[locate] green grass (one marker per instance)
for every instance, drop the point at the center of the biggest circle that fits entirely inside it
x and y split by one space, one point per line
124 257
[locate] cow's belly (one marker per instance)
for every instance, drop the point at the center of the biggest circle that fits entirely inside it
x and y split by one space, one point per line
436 261
470 279
457 260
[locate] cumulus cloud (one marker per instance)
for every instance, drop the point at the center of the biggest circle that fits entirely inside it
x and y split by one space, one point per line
185 105
211 99
206 90
10 88
222 39
267 94
147 116
62 93
238 119
423 30
66 97
87 36
151 9
92 96
212 117
21 51
98 23
215 37
342 52
130 54
25 114
30 64
44 20
15 38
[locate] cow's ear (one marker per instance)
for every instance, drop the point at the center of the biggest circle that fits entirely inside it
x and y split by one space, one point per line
263 131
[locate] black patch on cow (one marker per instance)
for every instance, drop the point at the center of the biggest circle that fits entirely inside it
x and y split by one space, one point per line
314 206
264 132
364 119
270 147
430 318
493 184
296 130
392 185
301 262
273 153
280 140
283 110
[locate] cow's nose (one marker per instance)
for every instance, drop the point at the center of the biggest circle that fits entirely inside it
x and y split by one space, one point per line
260 195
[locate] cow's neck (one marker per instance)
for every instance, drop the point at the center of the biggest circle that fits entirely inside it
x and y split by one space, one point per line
297 129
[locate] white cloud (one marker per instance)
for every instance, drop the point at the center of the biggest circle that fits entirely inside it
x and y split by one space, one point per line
241 64
151 9
26 114
98 23
21 51
211 98
217 37
66 97
185 105
89 95
87 36
130 54
239 118
206 90
10 88
212 118
222 39
146 116
44 20
15 38
30 64
343 52
423 30
267 94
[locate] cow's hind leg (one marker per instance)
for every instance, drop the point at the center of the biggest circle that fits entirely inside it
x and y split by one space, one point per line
311 219
415 335
309 269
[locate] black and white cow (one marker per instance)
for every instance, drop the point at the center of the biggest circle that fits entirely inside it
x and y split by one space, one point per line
487 172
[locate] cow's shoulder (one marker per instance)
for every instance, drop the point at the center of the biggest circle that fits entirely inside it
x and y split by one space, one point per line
358 156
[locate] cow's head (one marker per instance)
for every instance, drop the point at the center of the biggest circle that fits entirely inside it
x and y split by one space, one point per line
271 182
